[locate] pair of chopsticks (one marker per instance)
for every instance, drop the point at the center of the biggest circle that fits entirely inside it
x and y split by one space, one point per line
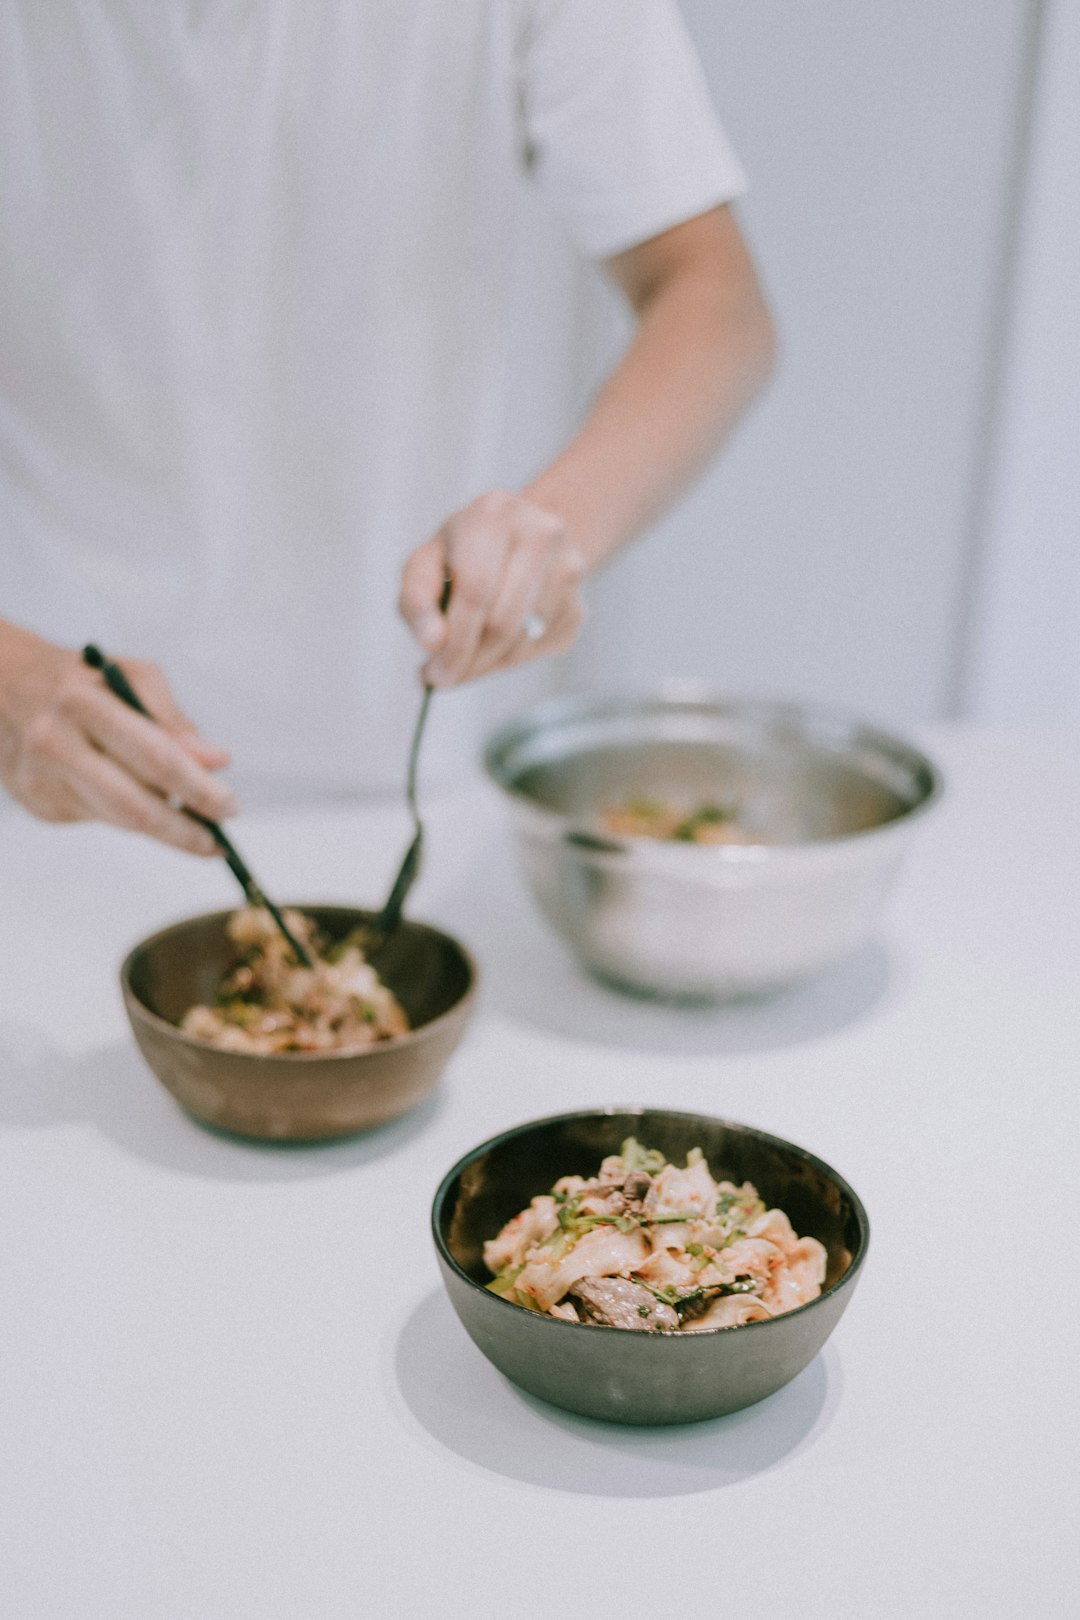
118 682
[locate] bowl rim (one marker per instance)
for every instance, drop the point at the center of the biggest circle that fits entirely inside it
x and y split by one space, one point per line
523 1129
687 695
395 1043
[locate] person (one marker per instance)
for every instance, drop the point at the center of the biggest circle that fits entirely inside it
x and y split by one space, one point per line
256 303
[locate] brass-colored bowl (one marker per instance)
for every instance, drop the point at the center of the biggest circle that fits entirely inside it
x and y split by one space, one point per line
297 1096
647 1378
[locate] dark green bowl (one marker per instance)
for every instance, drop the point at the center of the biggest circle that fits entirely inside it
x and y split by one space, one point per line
642 1377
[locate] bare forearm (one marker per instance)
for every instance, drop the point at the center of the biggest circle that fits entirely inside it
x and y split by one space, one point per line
702 351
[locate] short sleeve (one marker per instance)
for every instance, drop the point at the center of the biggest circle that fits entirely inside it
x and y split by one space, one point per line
620 132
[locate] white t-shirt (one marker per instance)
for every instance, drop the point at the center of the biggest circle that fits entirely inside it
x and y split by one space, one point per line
255 308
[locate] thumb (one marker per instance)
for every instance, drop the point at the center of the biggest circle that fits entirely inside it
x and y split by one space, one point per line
422 582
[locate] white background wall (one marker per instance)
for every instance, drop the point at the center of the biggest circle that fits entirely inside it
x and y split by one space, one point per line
841 549
1023 649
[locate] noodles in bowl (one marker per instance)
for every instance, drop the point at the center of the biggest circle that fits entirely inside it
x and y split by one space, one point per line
648 1247
268 1002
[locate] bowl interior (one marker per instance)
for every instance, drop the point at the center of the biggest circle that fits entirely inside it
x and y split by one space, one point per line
428 971
790 775
496 1181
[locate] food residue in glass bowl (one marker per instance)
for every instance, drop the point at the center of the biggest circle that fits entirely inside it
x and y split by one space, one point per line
268 1002
646 1246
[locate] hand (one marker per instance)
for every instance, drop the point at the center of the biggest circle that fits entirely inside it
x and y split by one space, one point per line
516 589
70 750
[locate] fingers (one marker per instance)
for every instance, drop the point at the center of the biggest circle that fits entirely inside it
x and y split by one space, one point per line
476 541
72 750
422 582
540 610
507 559
63 777
108 793
520 594
151 756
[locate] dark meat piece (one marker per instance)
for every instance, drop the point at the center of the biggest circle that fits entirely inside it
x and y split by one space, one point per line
698 1303
617 1302
637 1184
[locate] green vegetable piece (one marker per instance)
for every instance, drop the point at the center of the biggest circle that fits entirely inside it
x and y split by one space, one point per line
531 1304
710 815
504 1282
647 809
706 815
636 1157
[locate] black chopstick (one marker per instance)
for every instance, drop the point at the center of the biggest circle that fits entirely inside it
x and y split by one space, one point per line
118 682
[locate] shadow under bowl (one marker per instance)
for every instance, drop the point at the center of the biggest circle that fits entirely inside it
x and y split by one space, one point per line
610 1373
297 1096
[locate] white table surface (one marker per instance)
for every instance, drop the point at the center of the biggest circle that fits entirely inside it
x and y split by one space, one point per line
230 1383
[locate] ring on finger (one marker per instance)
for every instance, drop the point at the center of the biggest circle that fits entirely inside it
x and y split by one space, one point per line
535 626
